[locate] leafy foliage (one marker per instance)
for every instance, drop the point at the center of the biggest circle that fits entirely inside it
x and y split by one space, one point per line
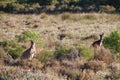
12 47
85 52
113 41
60 5
29 35
14 7
62 52
45 55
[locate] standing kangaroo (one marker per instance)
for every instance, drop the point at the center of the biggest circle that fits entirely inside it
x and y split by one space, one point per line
98 43
29 53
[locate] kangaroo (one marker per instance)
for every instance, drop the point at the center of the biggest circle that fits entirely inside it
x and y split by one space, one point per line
29 53
98 43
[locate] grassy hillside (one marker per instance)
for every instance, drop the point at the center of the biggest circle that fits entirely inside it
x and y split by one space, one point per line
53 60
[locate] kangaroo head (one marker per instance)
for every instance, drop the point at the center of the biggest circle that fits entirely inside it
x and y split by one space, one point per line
101 36
32 42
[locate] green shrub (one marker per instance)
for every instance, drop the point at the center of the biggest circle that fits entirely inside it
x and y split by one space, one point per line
85 52
46 55
30 35
3 4
12 7
107 8
2 78
113 41
12 47
116 75
62 52
35 5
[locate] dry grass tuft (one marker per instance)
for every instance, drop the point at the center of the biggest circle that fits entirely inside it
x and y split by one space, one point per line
115 66
43 16
66 16
72 74
87 74
104 55
94 65
52 63
5 58
29 64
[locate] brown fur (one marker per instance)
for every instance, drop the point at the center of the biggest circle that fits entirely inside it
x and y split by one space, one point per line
29 53
98 43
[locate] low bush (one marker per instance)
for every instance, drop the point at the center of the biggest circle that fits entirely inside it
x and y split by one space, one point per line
116 75
94 65
30 35
72 74
3 5
45 56
85 52
66 16
113 41
107 8
12 47
62 52
30 64
43 16
12 7
89 17
105 56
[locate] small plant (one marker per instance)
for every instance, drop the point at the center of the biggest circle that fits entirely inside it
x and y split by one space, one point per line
29 35
12 47
107 8
104 55
85 52
116 75
94 65
72 74
43 16
45 56
66 16
35 5
32 64
62 52
89 17
113 41
11 7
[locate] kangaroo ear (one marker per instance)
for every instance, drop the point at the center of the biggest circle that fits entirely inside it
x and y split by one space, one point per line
31 41
102 34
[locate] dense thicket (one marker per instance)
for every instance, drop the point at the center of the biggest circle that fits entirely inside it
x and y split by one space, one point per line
37 6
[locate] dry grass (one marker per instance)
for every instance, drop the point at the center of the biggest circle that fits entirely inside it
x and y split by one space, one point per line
88 74
75 27
104 55
27 64
94 65
85 25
